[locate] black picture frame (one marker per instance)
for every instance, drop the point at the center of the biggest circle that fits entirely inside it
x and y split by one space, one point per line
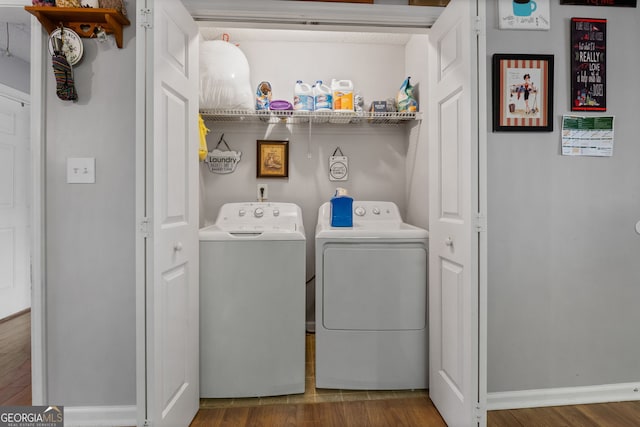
272 159
522 92
588 64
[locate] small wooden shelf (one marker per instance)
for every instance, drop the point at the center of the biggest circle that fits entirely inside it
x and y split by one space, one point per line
82 20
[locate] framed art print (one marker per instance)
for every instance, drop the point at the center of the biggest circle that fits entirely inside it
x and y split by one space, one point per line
273 159
522 92
524 15
588 64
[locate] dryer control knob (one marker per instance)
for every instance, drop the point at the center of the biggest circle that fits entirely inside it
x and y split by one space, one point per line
376 211
241 212
360 211
276 212
258 212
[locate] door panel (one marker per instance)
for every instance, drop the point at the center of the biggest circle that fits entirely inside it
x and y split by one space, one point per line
451 368
15 284
171 293
453 241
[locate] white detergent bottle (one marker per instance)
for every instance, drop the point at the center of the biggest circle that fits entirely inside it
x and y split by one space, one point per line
342 95
322 97
303 97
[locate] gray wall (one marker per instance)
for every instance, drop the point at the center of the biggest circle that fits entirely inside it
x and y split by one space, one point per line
14 72
564 276
90 277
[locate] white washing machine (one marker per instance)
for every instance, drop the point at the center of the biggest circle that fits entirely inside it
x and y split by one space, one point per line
252 301
371 301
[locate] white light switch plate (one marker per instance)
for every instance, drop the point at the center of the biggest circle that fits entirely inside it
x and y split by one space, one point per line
81 170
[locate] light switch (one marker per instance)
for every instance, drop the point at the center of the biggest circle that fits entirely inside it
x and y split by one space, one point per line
81 170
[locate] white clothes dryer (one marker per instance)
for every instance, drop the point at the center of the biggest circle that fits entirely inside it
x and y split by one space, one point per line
371 301
252 301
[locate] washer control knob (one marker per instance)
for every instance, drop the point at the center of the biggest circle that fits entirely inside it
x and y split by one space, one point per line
258 212
276 212
360 211
376 211
242 212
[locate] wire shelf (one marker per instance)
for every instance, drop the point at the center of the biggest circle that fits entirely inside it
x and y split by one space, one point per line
295 117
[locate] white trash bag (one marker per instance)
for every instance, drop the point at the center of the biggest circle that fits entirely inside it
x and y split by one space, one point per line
224 77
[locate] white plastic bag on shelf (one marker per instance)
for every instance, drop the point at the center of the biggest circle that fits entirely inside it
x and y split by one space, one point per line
224 77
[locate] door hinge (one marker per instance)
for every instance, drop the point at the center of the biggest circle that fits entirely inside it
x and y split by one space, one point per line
478 25
480 222
145 18
145 227
147 423
478 413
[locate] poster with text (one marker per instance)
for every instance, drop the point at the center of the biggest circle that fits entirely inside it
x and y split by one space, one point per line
588 64
524 15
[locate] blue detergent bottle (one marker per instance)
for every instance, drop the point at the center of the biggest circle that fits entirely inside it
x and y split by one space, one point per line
341 209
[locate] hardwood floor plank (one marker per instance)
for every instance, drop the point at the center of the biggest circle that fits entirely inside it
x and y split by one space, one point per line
422 408
502 418
332 414
387 413
15 360
611 414
574 416
355 411
540 417
235 417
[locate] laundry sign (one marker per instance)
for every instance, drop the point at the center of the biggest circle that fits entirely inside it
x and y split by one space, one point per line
222 161
338 166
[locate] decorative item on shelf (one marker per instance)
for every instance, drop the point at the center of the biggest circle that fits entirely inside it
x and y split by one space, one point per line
100 34
44 3
338 166
113 4
406 99
69 42
90 3
65 88
263 96
222 161
68 3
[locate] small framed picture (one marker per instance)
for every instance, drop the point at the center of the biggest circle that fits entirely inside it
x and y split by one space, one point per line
522 92
273 159
524 15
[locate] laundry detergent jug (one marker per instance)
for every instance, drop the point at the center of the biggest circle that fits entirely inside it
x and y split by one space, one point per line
341 209
322 97
342 91
303 97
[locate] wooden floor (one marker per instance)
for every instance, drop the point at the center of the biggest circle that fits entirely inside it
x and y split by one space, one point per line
410 412
15 389
15 361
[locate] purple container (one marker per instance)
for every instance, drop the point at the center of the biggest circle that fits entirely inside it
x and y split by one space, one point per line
280 105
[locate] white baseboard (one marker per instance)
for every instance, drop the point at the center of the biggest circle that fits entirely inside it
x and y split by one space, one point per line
100 416
563 396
